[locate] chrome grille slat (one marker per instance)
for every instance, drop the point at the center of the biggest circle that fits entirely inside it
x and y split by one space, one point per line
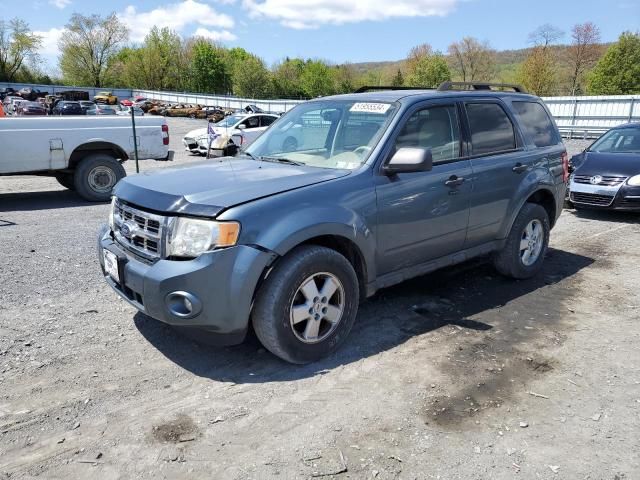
592 199
607 181
145 230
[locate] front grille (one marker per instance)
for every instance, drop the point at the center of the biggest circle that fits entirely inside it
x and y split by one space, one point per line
605 182
592 199
138 231
630 202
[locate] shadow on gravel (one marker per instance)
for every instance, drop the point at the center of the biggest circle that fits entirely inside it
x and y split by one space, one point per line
30 201
395 315
607 216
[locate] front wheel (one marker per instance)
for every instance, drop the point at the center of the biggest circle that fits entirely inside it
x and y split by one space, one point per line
307 305
96 175
527 243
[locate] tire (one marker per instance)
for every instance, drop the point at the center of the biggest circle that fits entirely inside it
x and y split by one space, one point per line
273 320
512 261
96 175
66 180
290 144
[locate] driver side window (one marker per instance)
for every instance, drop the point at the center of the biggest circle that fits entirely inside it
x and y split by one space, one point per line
436 128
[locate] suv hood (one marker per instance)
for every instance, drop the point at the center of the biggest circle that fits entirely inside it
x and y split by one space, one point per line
207 188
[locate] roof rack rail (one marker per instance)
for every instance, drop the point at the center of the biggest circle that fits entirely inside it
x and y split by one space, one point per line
446 86
381 88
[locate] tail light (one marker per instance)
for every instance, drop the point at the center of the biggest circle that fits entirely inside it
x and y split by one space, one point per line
565 166
165 134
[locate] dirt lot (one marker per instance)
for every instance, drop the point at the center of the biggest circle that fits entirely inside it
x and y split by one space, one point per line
460 374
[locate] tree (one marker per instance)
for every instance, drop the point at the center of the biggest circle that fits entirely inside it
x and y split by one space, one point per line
538 72
317 79
583 53
472 60
87 45
618 71
17 45
287 78
345 78
251 78
545 35
207 69
426 68
398 79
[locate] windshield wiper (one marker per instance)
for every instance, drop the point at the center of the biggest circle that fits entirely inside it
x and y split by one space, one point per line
250 155
281 160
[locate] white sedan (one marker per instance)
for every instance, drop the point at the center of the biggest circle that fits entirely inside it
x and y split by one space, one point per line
237 129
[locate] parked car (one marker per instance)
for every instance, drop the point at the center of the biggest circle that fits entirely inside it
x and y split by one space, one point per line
67 108
31 108
99 109
384 186
106 97
6 91
11 104
31 94
86 105
607 174
133 101
246 127
83 154
127 111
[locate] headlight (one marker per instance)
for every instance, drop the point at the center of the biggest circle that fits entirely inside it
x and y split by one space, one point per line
634 181
190 237
112 221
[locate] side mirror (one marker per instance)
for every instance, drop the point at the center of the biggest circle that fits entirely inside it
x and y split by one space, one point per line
409 160
242 127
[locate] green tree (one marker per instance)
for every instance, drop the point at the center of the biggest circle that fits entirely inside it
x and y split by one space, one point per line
87 46
317 79
251 78
345 78
618 71
17 45
208 70
287 78
426 68
538 72
398 79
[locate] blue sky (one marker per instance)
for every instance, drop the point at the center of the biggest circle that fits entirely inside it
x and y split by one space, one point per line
336 30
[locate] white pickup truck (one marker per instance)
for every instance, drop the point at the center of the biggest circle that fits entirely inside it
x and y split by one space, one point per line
84 154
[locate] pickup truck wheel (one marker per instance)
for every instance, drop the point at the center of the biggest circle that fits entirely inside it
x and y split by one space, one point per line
96 176
527 243
307 305
66 180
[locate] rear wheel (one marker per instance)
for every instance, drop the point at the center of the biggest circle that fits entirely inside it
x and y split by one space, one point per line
96 176
66 180
527 243
307 305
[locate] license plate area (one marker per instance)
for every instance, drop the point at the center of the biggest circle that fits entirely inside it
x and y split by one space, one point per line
112 265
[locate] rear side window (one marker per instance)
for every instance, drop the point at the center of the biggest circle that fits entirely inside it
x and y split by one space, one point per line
266 121
491 129
535 120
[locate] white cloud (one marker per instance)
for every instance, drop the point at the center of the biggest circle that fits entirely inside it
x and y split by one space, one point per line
300 14
176 16
50 41
61 4
216 36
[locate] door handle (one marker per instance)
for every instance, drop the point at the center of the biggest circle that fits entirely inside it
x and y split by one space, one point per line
454 181
520 168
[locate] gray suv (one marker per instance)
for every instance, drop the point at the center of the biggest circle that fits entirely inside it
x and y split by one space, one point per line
379 187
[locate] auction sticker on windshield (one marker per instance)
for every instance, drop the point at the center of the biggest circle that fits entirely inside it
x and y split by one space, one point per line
380 108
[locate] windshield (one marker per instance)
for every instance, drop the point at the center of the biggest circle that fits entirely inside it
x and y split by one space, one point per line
326 133
230 121
620 140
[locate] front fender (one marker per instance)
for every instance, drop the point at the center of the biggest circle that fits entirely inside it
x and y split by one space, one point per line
304 224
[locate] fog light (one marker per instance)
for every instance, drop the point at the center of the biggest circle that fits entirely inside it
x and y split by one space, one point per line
183 304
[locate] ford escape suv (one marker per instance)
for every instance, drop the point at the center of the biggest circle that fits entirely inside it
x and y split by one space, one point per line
382 186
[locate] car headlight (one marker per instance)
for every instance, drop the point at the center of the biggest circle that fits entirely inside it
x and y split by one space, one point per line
112 212
634 181
191 237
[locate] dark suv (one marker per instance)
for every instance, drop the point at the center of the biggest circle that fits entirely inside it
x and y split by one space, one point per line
379 187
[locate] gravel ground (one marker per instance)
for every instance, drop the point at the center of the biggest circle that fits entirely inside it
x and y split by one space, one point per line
460 374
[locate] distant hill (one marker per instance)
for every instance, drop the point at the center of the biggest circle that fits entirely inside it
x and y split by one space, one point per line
507 62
